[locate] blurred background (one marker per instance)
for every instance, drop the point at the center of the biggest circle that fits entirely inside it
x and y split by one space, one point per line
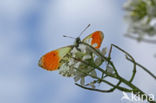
31 28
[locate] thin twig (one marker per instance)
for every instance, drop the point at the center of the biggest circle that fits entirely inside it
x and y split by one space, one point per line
99 90
133 61
94 66
110 84
145 69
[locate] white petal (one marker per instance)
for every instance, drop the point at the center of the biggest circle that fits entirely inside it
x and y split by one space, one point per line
77 64
65 70
74 50
109 69
71 62
92 85
82 47
82 82
98 61
104 51
94 73
76 78
86 57
93 51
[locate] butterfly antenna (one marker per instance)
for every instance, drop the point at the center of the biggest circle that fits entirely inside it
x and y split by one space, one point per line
69 37
84 29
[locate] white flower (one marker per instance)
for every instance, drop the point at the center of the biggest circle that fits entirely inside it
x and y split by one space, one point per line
93 51
104 51
151 10
71 67
93 73
153 23
141 27
140 14
82 81
71 62
110 70
82 47
98 61
77 65
66 71
80 77
74 50
76 78
81 73
92 84
86 57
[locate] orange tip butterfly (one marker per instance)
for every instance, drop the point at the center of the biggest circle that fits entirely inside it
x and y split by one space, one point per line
51 60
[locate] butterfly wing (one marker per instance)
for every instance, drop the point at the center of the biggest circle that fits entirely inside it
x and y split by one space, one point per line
95 39
51 60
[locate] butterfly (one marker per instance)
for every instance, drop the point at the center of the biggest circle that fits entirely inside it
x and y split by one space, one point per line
51 60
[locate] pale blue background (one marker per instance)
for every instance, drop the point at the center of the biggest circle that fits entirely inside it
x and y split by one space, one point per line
30 28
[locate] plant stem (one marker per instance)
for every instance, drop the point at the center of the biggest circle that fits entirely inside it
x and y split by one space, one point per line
136 89
129 83
145 69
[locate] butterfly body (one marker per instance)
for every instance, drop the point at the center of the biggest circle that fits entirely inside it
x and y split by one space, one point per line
51 61
77 41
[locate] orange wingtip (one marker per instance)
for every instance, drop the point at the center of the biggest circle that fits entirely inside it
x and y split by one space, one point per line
50 61
97 37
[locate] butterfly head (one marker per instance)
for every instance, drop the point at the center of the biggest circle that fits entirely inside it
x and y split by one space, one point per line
77 41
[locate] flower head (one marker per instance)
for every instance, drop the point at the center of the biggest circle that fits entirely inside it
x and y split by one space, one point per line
77 63
72 65
140 14
109 70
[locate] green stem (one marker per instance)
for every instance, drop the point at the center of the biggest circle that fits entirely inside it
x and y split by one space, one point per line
105 81
136 90
99 90
145 69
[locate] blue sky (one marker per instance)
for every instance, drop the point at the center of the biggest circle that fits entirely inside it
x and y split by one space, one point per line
30 28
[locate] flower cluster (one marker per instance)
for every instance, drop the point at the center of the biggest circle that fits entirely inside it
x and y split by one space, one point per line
141 17
72 65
